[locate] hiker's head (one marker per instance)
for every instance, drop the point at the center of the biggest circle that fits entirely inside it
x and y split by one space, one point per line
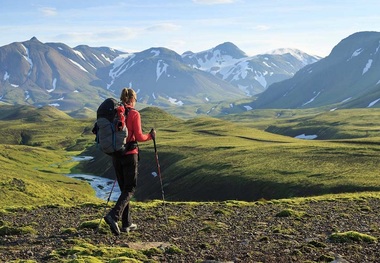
128 96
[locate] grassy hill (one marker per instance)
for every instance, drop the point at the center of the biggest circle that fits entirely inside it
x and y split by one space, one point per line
209 159
36 150
34 176
326 124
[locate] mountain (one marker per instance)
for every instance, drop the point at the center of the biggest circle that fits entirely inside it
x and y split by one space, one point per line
71 79
160 77
347 78
251 74
39 74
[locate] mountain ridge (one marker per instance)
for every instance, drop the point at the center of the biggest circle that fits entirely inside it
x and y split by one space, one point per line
346 78
36 73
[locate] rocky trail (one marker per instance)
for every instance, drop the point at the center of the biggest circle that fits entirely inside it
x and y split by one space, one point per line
274 231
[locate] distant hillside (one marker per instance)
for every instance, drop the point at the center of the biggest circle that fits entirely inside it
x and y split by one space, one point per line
30 113
84 113
347 78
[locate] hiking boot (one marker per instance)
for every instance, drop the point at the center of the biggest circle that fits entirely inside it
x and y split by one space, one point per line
132 227
113 224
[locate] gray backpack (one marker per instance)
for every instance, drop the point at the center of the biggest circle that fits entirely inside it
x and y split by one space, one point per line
111 134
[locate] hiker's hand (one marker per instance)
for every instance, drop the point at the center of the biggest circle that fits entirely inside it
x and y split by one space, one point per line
153 133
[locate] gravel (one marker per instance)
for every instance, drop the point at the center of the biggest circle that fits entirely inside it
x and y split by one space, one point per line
205 232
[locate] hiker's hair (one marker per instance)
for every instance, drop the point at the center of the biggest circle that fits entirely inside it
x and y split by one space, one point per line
127 95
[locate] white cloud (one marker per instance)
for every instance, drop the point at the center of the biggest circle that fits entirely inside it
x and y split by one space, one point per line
48 11
163 27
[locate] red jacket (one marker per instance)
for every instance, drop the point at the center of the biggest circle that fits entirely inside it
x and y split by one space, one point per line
134 129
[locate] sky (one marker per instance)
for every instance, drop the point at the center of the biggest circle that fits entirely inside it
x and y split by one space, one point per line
254 26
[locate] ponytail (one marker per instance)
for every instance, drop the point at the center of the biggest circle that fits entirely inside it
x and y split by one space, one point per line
128 95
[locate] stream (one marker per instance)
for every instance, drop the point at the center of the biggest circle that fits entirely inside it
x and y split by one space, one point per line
101 185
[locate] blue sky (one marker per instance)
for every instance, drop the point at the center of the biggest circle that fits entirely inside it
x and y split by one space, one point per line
255 26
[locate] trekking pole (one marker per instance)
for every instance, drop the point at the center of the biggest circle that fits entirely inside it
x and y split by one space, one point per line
159 174
105 208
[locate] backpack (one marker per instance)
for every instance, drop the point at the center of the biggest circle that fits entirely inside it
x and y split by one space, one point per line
110 127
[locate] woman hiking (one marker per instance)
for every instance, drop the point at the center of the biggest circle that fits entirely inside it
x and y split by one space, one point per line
126 165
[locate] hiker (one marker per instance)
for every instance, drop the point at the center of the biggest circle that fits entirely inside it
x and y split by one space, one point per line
126 165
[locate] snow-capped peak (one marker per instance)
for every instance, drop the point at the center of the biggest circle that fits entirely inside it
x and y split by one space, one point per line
298 54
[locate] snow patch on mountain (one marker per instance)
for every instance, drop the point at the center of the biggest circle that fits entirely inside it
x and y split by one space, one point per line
292 51
175 101
241 71
356 53
6 75
260 78
120 65
79 54
27 96
312 99
373 103
345 100
306 137
54 85
213 61
27 58
269 66
78 65
98 58
108 59
155 52
367 66
92 66
161 68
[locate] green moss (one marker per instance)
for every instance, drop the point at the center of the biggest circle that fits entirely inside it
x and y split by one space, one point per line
153 252
173 250
352 236
92 224
125 260
9 230
87 252
23 261
281 230
317 244
69 231
290 213
365 208
222 212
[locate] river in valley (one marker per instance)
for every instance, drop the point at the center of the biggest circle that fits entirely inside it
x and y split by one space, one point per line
102 186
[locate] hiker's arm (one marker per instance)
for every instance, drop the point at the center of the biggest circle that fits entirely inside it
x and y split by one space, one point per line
139 136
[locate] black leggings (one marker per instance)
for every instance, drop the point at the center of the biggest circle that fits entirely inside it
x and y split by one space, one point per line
126 169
